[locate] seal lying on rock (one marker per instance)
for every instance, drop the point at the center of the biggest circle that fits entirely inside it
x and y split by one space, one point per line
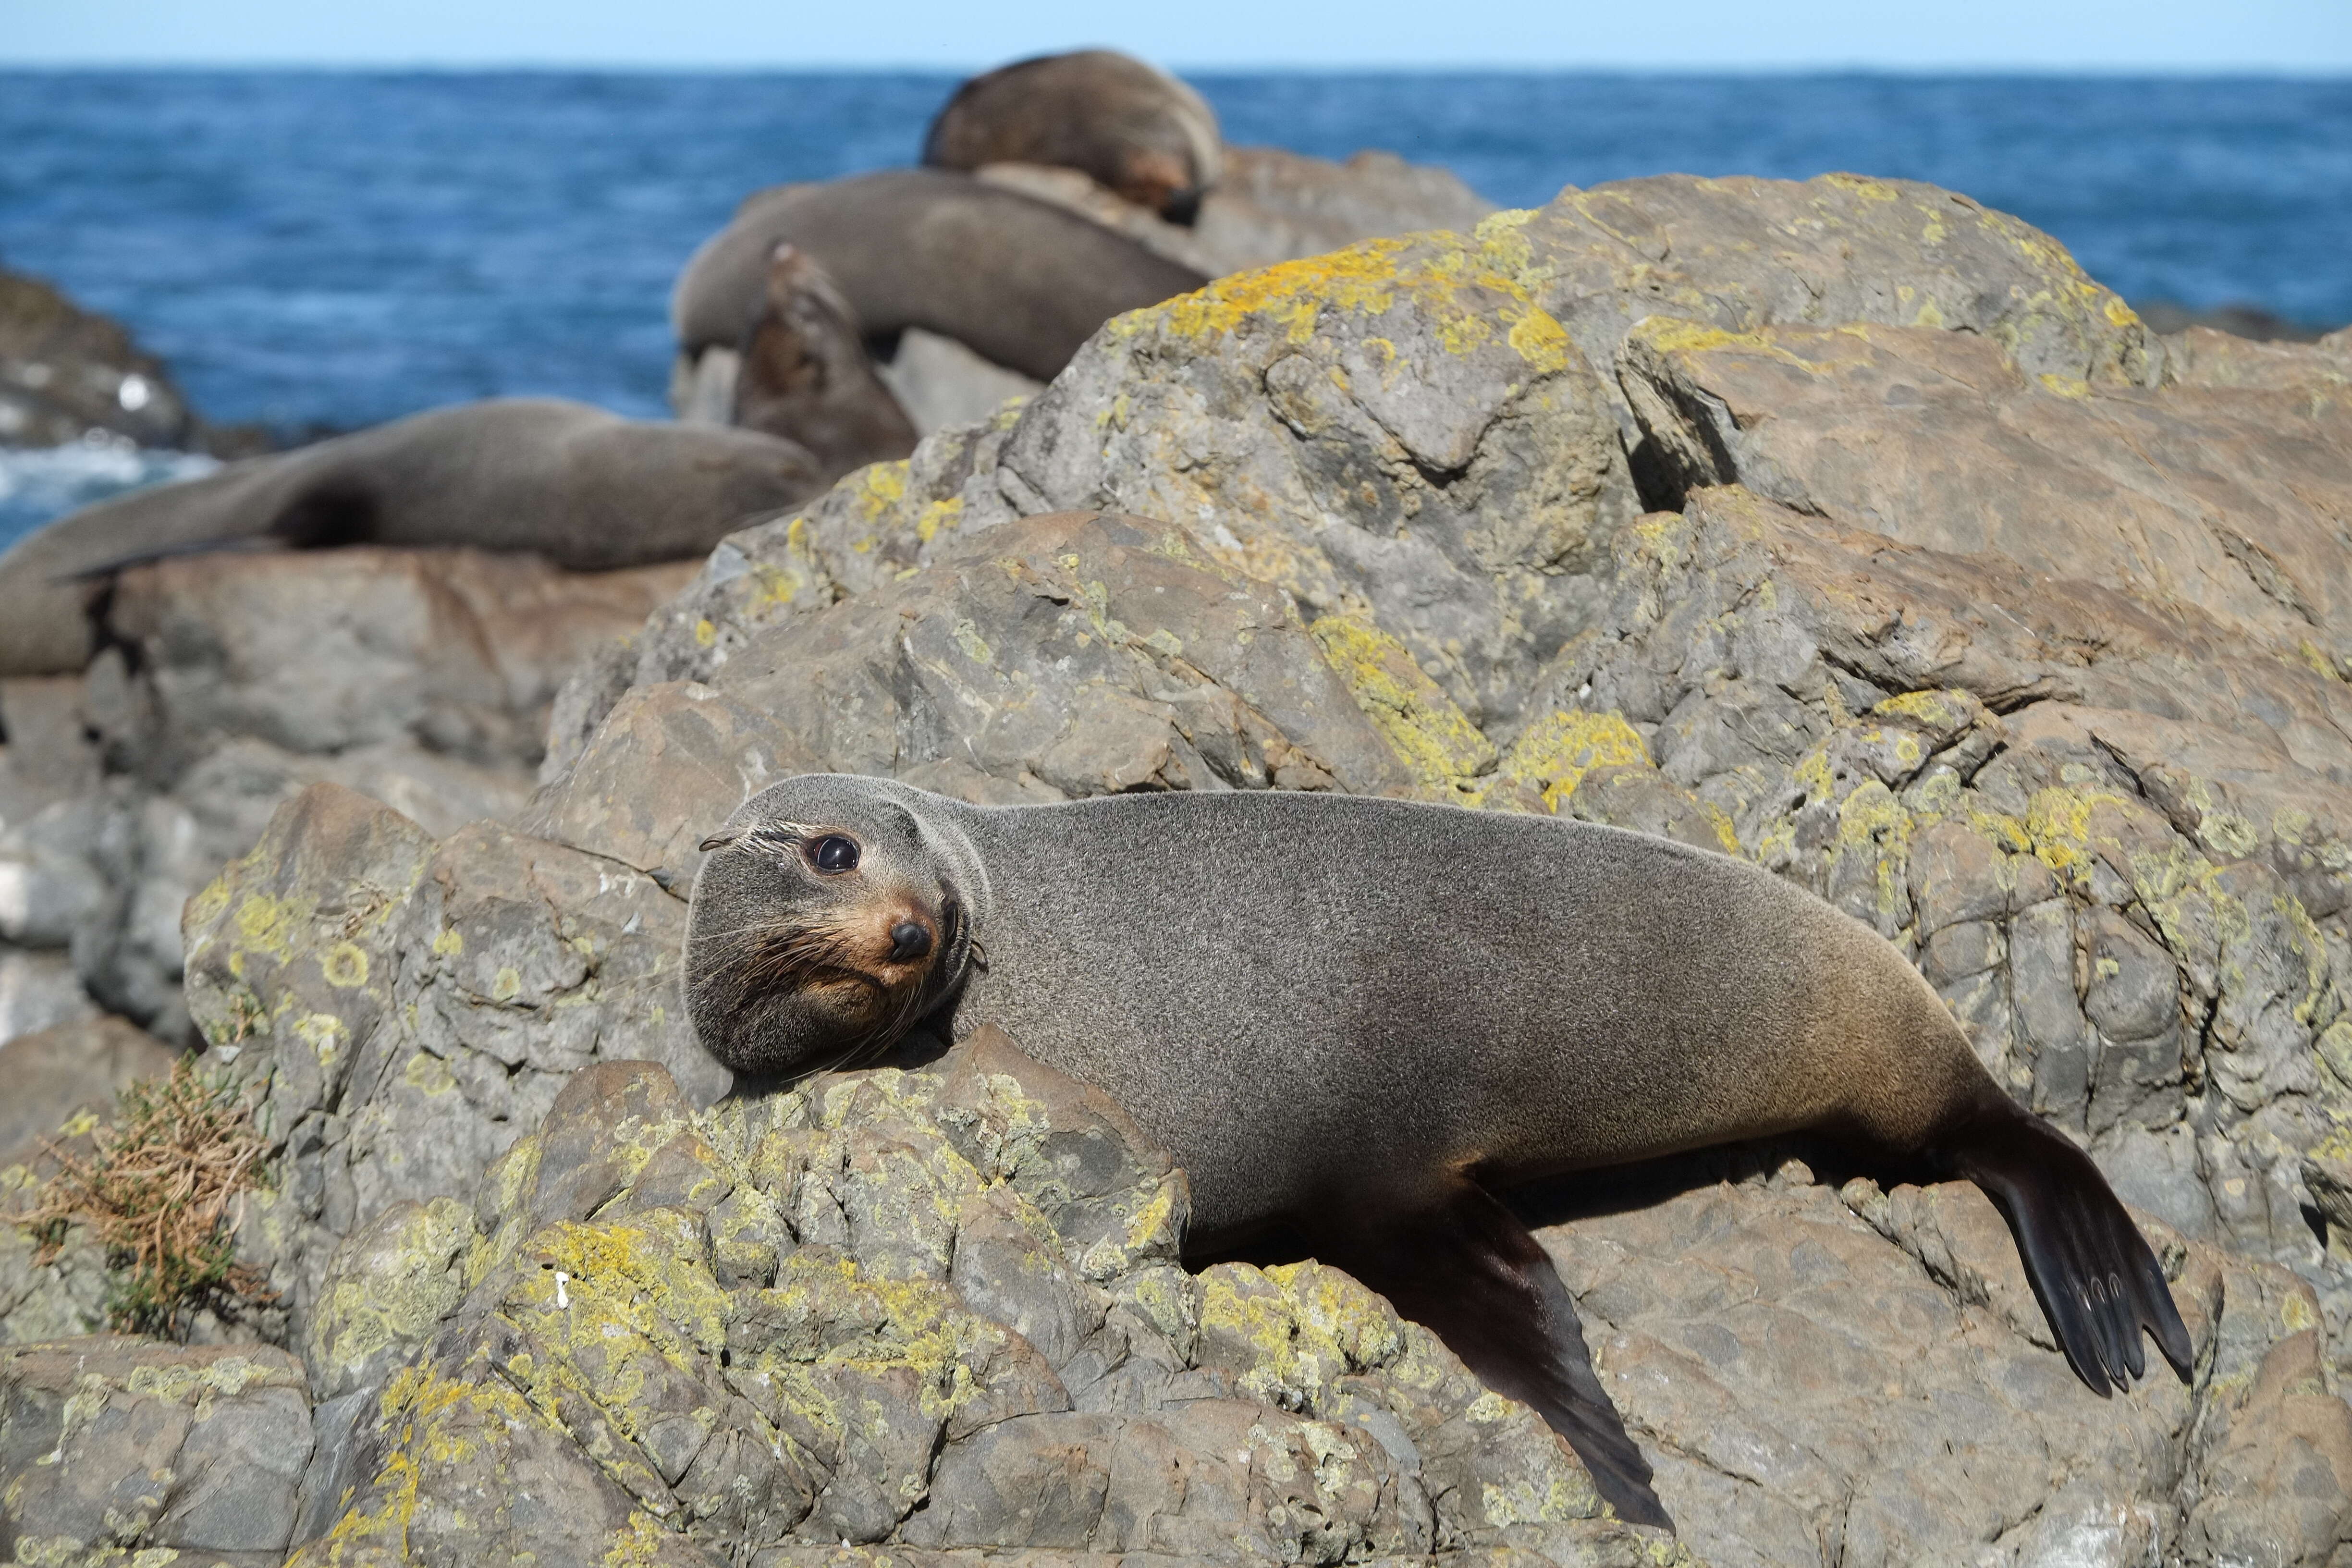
1022 281
587 490
806 375
1131 126
1359 1016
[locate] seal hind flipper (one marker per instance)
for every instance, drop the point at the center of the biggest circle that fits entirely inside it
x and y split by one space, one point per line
1461 1265
2098 1283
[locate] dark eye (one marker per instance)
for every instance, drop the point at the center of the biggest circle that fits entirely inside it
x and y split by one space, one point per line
834 853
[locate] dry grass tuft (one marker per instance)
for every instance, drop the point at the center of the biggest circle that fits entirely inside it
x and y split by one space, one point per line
155 1189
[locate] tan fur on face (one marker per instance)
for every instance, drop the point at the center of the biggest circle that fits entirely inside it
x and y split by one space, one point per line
842 959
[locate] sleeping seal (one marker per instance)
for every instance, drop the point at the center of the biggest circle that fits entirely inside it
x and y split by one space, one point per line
1019 280
1133 128
588 490
1362 1016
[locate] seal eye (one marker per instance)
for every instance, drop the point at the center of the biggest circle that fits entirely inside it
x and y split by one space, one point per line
834 853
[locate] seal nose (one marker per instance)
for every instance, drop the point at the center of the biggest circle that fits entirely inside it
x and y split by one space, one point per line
910 940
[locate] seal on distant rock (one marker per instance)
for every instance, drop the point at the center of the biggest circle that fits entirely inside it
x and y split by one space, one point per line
1130 126
1360 1017
585 488
1019 280
806 376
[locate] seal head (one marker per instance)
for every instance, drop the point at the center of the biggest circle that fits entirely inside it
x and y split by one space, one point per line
1131 126
831 916
806 375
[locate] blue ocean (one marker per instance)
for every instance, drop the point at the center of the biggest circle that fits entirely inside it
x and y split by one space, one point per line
322 251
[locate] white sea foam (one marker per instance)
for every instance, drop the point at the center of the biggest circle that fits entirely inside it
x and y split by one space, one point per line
37 483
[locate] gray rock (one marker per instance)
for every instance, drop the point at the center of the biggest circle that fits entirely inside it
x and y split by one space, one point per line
422 677
586 1340
113 1446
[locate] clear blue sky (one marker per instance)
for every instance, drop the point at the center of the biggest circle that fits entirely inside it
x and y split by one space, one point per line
2197 35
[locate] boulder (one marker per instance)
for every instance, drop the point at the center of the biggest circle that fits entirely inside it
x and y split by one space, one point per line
115 1449
913 1312
1270 205
319 652
2226 501
935 1310
423 677
2090 775
1273 205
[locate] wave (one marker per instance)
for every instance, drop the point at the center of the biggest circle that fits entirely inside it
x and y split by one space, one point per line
39 483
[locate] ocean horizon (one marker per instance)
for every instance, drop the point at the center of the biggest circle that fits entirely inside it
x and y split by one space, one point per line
323 249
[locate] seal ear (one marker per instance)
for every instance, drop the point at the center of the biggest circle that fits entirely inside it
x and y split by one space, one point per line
721 840
1461 1265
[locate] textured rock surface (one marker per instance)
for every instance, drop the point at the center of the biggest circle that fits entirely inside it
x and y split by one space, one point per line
423 677
2104 827
2079 751
400 1010
121 1450
941 1309
1853 1376
2230 501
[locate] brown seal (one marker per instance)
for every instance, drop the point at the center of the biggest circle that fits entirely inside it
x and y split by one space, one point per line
1362 1018
586 488
806 376
1130 126
1018 280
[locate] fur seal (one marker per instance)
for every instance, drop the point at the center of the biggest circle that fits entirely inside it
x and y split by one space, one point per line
1130 126
588 490
1021 281
1362 1016
806 376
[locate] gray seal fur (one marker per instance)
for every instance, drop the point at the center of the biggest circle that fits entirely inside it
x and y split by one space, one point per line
588 490
1018 280
1358 1016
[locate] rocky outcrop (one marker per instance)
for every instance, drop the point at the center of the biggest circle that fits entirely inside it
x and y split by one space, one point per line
230 682
123 1450
1901 559
936 1315
2067 721
940 1310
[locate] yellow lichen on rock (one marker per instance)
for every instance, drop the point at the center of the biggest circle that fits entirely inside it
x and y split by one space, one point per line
1552 755
1442 275
1435 741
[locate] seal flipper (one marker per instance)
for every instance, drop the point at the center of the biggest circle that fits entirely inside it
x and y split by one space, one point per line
1462 1266
2092 1270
